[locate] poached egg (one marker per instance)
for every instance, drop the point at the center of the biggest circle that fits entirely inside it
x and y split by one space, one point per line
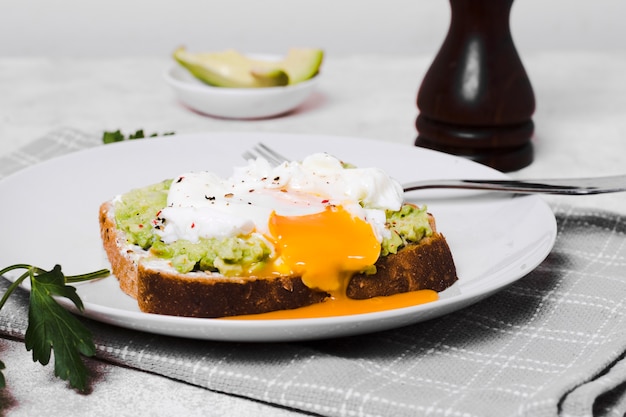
323 220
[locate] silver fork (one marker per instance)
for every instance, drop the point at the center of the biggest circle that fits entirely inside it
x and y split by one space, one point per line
565 186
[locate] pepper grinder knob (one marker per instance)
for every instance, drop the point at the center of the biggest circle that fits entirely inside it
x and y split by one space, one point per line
476 100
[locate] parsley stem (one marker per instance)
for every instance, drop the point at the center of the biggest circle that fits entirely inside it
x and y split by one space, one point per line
86 277
13 285
16 266
33 269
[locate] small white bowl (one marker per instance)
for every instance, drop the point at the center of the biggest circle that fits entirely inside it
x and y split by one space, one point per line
237 103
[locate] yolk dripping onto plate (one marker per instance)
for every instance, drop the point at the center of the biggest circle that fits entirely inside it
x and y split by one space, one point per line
326 248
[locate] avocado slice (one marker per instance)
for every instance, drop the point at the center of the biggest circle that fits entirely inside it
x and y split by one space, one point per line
233 69
302 64
230 69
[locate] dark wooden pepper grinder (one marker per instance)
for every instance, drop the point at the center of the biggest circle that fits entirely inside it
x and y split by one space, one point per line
476 100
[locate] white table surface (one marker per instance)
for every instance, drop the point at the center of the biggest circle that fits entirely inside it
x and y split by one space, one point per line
580 131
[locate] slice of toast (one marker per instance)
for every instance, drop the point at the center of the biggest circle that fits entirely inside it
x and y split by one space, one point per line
159 288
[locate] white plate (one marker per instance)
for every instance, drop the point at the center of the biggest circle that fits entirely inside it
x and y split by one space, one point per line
50 216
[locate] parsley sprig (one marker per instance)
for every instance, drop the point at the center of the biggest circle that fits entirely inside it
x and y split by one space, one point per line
50 326
118 136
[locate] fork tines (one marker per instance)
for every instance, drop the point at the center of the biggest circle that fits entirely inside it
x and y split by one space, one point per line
262 150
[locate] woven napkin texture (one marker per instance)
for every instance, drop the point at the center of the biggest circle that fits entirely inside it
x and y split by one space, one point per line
552 344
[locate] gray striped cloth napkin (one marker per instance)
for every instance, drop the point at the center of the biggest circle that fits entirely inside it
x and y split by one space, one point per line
552 344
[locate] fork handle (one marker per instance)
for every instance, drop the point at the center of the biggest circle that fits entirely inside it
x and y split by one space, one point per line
570 186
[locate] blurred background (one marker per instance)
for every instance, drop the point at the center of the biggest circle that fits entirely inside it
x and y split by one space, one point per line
78 28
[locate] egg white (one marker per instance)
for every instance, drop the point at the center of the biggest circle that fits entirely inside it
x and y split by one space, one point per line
202 204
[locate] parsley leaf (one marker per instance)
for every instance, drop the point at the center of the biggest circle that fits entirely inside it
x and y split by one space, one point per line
50 326
118 136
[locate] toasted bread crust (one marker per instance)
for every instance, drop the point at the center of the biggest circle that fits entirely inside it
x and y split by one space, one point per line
122 258
174 294
427 265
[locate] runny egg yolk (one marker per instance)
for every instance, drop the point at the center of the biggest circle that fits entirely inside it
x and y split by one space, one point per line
325 248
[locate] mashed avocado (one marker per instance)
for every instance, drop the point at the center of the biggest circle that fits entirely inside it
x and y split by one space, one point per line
136 209
408 225
233 256
134 214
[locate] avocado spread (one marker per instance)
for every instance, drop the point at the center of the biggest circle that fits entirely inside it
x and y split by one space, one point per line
136 211
408 225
